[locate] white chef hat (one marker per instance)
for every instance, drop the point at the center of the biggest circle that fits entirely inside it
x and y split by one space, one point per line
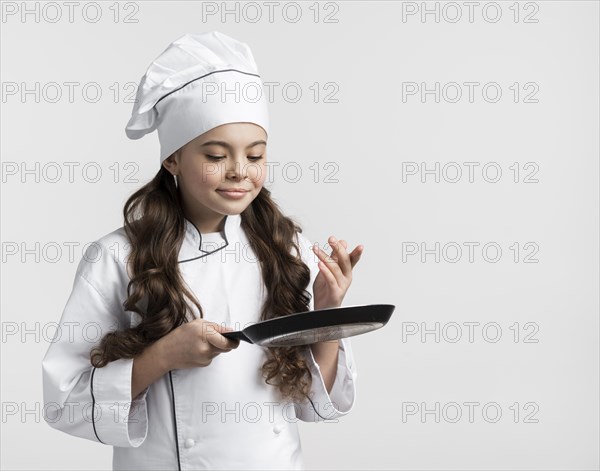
199 82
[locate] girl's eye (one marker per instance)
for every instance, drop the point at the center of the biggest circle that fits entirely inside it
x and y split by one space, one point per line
219 157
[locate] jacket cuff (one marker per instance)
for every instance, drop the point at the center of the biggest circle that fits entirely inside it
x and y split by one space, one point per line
340 400
117 420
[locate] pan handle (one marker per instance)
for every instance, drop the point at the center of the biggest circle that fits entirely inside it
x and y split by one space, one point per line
237 335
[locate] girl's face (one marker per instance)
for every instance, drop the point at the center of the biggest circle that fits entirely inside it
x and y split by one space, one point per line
231 156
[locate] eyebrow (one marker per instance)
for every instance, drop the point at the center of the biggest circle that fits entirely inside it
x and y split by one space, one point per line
226 144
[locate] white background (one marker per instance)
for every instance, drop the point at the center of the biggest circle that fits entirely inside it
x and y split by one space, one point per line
370 136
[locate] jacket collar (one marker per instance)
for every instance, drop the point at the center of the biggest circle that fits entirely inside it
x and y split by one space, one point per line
195 245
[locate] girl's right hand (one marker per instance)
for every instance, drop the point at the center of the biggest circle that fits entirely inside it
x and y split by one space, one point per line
195 344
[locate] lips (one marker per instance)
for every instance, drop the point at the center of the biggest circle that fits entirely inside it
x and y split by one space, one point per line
234 194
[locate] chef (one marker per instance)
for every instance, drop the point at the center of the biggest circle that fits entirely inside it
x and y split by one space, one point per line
222 416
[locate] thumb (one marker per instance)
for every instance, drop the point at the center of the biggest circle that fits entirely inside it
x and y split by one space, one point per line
222 328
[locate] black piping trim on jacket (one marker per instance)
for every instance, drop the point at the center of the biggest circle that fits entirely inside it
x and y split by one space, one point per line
313 405
175 421
170 375
205 75
200 245
94 406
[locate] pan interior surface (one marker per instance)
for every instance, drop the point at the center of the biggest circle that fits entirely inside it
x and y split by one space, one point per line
320 334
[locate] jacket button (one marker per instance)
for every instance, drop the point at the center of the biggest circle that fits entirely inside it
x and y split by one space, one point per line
277 428
189 443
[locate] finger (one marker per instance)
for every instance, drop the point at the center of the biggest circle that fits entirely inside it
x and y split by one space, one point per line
214 337
330 262
329 276
356 254
222 327
224 344
341 256
231 343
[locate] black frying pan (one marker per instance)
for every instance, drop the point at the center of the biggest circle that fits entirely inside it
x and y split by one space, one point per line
315 326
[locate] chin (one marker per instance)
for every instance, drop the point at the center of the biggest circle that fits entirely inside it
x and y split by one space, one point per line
232 211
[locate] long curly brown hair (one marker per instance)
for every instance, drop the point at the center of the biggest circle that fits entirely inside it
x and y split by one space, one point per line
155 226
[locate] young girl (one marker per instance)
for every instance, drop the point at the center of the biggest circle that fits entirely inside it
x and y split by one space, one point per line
204 249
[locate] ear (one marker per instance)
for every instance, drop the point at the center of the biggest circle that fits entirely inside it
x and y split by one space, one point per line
171 162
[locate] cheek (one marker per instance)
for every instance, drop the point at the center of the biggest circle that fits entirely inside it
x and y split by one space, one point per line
208 174
257 173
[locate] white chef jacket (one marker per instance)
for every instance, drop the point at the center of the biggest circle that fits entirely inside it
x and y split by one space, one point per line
222 416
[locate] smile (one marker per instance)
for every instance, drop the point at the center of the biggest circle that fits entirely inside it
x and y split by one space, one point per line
233 194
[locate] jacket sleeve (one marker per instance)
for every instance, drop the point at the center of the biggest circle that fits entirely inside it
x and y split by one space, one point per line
322 405
79 399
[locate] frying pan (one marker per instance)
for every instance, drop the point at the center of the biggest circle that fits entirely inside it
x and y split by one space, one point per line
321 325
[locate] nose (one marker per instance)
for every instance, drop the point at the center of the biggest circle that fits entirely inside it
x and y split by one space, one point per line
236 171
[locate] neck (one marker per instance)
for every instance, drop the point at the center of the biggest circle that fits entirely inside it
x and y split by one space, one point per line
206 223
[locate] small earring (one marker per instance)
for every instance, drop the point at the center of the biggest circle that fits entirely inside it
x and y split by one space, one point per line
176 182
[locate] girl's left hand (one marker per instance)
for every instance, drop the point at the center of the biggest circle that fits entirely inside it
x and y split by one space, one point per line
335 274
